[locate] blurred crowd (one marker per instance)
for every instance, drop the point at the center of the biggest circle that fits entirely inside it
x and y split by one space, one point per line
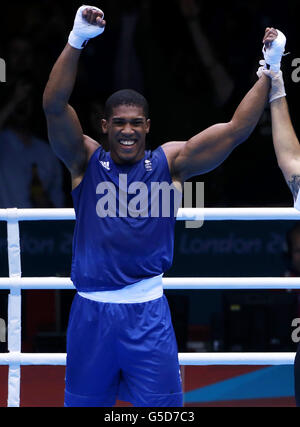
192 60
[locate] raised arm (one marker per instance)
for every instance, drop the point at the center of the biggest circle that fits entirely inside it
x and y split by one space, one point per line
208 149
286 144
64 129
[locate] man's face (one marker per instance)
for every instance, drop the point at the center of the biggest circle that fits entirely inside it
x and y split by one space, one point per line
126 129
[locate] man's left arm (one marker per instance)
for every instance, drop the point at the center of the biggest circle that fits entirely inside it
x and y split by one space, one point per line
208 149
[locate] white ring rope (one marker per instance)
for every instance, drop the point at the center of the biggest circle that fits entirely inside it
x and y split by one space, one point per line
204 359
14 358
184 214
168 283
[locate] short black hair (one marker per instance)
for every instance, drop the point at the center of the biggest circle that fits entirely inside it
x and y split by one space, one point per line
126 97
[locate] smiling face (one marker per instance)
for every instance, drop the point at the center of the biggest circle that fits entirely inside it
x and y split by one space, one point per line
126 129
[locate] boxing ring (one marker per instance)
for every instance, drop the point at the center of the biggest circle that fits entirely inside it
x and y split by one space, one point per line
15 283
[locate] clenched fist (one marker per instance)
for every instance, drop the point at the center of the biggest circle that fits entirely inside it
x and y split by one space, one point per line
89 23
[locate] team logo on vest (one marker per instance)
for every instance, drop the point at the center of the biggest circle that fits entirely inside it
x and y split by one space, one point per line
105 165
148 165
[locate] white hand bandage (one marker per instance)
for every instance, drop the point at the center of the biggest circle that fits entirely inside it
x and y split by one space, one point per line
274 54
277 88
83 31
261 69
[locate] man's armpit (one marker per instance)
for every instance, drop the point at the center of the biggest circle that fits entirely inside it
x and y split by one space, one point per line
294 184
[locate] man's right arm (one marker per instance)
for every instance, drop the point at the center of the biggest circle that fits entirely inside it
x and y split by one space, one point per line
64 129
286 144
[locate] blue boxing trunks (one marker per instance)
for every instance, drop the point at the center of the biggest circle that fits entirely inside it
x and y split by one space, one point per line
124 351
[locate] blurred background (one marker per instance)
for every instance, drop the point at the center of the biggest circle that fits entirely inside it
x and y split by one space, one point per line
194 61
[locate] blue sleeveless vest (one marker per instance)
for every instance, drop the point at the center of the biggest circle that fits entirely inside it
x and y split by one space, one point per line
125 222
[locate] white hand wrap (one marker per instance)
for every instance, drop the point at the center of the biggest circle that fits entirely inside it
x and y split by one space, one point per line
277 88
274 54
83 31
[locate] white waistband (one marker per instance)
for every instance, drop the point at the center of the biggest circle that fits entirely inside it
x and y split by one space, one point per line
145 290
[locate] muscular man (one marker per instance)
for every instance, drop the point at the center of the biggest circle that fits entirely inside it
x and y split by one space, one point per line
287 149
120 340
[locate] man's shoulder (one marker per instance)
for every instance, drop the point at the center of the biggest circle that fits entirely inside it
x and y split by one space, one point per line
172 148
91 145
171 151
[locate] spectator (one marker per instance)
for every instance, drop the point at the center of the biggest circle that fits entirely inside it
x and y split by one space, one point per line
222 83
30 175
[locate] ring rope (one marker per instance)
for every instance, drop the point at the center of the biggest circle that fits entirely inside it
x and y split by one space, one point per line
204 359
184 214
168 283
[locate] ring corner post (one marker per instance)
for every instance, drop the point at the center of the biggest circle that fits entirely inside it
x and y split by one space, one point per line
14 307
